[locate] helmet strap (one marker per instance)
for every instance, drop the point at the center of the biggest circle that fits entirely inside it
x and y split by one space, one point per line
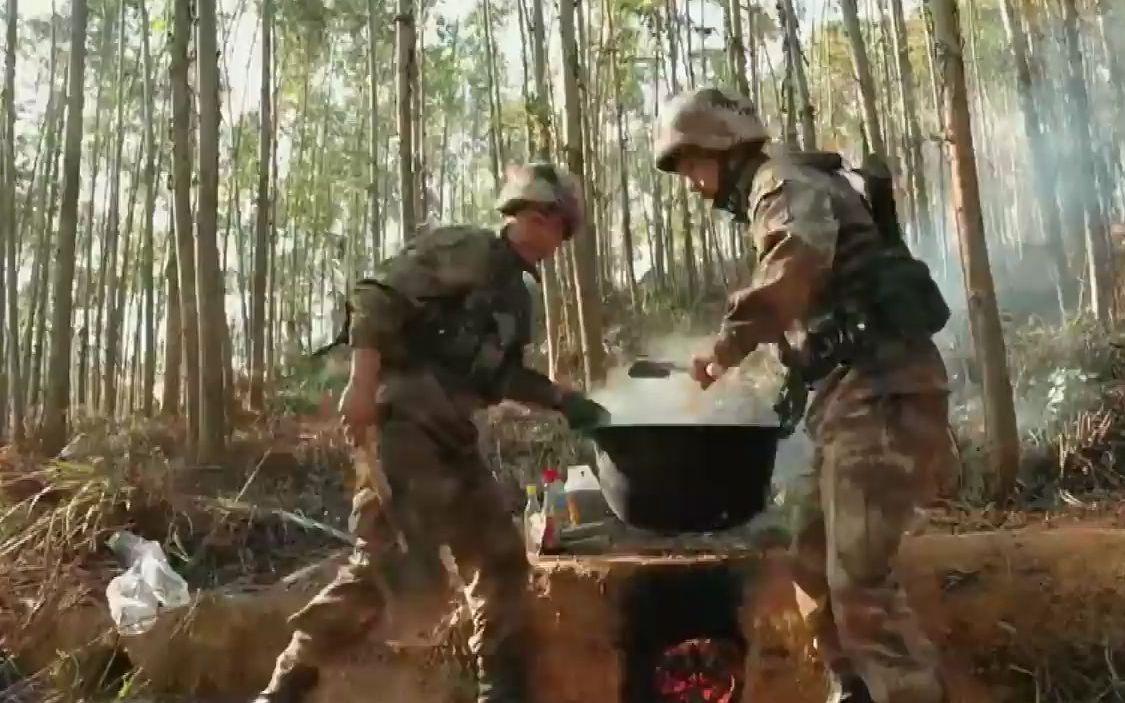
733 168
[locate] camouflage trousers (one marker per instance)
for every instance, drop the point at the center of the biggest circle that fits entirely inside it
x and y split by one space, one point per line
876 460
442 494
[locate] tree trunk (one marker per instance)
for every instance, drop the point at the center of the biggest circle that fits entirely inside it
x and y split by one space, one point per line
173 333
210 286
890 121
494 128
37 358
15 389
623 174
984 318
660 262
181 179
108 269
797 63
1042 165
421 188
941 210
913 131
148 257
685 211
271 282
862 66
752 45
374 216
406 71
525 86
1113 46
1097 237
54 429
116 304
41 266
135 364
544 150
586 261
262 229
88 293
733 16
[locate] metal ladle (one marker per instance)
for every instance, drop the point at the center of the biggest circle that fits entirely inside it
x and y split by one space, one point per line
647 368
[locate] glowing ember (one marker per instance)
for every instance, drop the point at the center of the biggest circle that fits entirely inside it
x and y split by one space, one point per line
700 671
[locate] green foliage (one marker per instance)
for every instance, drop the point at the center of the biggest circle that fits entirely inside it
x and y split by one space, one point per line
308 382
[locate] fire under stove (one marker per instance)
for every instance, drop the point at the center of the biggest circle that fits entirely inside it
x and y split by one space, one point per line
660 628
681 637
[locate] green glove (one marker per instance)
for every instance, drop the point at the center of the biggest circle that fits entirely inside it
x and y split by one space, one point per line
581 413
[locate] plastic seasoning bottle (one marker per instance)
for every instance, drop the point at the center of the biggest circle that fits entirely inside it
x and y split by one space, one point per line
580 482
532 519
554 497
551 540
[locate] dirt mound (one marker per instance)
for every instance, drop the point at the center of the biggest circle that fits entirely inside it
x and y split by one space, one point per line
1034 612
279 499
1019 614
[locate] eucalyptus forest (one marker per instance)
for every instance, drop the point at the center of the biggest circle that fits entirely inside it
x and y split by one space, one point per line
190 189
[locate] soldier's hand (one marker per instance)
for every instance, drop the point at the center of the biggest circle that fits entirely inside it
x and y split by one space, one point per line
705 370
581 413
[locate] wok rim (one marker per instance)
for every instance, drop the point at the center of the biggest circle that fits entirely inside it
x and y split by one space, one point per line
623 479
686 425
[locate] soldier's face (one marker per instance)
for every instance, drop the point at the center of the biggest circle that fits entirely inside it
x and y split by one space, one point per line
551 232
701 172
539 234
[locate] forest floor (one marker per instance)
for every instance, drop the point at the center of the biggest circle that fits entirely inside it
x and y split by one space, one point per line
256 536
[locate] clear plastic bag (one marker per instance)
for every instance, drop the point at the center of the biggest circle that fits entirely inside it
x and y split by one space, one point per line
148 585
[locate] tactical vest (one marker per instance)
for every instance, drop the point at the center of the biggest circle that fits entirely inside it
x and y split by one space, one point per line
881 294
472 339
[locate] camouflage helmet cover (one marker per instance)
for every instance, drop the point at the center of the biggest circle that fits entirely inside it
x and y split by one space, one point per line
708 119
545 185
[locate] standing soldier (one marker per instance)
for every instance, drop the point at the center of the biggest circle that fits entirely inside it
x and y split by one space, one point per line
440 332
853 314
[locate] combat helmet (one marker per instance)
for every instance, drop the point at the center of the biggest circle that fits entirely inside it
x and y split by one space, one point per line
707 119
541 184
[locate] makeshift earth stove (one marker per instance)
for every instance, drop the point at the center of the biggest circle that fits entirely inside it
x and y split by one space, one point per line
682 632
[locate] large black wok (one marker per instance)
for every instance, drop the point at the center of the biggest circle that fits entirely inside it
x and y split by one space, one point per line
685 478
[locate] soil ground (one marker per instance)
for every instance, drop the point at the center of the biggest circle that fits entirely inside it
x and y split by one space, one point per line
1025 604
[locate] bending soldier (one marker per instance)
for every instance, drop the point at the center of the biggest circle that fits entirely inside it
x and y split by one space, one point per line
853 314
437 333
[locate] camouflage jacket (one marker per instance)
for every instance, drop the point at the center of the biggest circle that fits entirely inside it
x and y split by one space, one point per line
814 236
454 302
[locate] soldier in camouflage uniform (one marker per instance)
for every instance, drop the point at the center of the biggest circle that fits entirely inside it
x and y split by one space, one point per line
853 313
437 333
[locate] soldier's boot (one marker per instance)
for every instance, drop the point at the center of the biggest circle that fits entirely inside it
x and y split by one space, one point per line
502 676
848 688
290 685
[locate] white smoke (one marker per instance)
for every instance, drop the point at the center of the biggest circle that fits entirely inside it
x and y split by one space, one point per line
743 396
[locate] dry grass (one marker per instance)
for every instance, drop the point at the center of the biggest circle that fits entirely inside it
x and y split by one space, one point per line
1069 387
276 503
1085 675
61 517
